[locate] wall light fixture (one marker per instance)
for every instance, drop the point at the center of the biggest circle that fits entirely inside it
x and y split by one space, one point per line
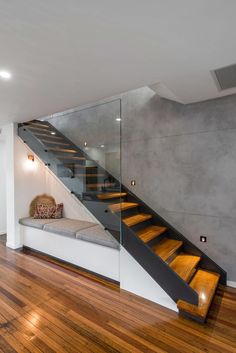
31 157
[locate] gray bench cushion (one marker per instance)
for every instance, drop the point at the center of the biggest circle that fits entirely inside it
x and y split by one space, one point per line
83 230
97 235
67 227
36 223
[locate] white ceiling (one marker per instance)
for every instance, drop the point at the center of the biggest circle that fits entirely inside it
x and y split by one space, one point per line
67 53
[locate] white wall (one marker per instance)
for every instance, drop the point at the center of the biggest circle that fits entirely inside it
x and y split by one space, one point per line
25 180
3 214
34 178
135 279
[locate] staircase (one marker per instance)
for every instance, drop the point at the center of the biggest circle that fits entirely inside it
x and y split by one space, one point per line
187 275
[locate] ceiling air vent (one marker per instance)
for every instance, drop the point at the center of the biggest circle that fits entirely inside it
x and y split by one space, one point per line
226 77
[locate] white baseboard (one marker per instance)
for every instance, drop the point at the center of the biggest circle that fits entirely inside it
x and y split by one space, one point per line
2 232
14 246
231 284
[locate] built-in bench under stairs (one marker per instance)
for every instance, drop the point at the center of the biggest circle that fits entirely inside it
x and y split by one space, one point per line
187 275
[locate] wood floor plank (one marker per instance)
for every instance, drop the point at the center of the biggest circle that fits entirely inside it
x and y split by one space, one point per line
51 307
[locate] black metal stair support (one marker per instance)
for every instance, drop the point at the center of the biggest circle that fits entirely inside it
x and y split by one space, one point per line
158 269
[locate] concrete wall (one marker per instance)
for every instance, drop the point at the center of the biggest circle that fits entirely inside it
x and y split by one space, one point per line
96 125
183 159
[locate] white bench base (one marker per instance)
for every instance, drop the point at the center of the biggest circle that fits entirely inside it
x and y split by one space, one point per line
93 257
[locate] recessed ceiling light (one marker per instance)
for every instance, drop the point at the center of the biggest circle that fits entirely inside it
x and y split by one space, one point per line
53 133
118 119
5 75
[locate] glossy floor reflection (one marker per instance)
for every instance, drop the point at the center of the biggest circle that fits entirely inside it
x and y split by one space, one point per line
45 307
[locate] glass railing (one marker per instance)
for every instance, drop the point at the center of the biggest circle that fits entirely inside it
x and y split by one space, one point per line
82 148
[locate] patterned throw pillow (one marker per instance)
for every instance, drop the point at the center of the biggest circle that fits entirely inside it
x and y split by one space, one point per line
58 211
44 211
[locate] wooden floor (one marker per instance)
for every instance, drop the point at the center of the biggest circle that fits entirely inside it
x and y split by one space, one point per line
48 308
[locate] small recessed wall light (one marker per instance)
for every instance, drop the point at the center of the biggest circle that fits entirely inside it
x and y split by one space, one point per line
102 146
5 75
118 119
133 182
203 239
85 144
53 133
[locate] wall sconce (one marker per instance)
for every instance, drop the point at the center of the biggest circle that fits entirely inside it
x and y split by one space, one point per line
30 163
31 157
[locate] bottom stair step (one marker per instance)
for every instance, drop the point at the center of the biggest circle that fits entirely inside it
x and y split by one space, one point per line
184 265
205 284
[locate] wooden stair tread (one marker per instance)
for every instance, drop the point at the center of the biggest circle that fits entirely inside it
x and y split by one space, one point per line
205 284
39 125
150 233
55 142
39 129
99 185
88 175
63 150
111 195
77 165
52 137
136 219
167 247
122 206
71 157
184 264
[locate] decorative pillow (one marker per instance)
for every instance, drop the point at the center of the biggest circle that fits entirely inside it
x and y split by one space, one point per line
43 199
44 211
58 211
